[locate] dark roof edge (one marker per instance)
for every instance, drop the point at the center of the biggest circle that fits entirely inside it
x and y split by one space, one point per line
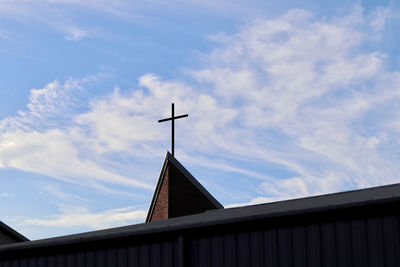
13 232
194 181
177 226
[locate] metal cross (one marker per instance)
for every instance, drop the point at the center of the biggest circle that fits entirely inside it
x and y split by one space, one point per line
172 119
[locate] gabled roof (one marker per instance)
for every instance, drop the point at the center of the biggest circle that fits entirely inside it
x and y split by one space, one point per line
9 235
178 193
308 205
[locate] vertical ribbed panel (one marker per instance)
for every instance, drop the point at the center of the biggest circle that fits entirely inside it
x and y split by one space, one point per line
360 242
155 254
299 246
343 244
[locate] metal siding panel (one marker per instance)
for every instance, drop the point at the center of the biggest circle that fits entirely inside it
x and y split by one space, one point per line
285 253
230 250
359 242
90 258
60 260
133 257
7 263
343 244
51 261
111 257
23 262
327 231
80 259
391 240
42 261
256 248
101 258
204 251
70 260
168 254
181 254
313 245
217 251
375 241
144 255
32 262
299 246
122 257
243 251
194 252
155 252
271 247
15 263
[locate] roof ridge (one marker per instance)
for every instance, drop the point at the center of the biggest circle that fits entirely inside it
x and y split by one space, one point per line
13 232
170 159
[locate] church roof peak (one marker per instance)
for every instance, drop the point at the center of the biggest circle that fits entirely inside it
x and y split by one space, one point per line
178 193
9 235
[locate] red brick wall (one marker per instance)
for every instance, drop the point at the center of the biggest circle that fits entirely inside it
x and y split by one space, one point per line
161 207
178 197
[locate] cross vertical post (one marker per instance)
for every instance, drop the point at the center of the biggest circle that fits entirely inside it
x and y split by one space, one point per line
173 129
172 119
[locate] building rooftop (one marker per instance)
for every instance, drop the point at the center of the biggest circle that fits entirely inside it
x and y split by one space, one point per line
328 202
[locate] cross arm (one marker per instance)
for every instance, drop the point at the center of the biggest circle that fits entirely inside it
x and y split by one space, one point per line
165 120
177 117
181 116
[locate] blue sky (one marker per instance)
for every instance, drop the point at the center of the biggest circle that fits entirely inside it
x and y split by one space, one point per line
285 99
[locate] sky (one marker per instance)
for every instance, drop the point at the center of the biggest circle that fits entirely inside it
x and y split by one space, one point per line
286 99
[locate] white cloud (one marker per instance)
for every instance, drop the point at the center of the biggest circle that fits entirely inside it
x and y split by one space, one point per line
75 34
297 92
125 8
33 142
380 18
55 154
63 17
73 217
6 195
311 83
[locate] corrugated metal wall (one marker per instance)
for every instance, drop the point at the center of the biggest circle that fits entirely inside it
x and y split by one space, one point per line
363 242
355 237
162 253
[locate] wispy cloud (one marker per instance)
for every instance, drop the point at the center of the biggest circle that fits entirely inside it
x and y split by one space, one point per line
75 34
380 18
28 6
311 84
62 16
73 217
5 36
6 195
298 92
33 141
